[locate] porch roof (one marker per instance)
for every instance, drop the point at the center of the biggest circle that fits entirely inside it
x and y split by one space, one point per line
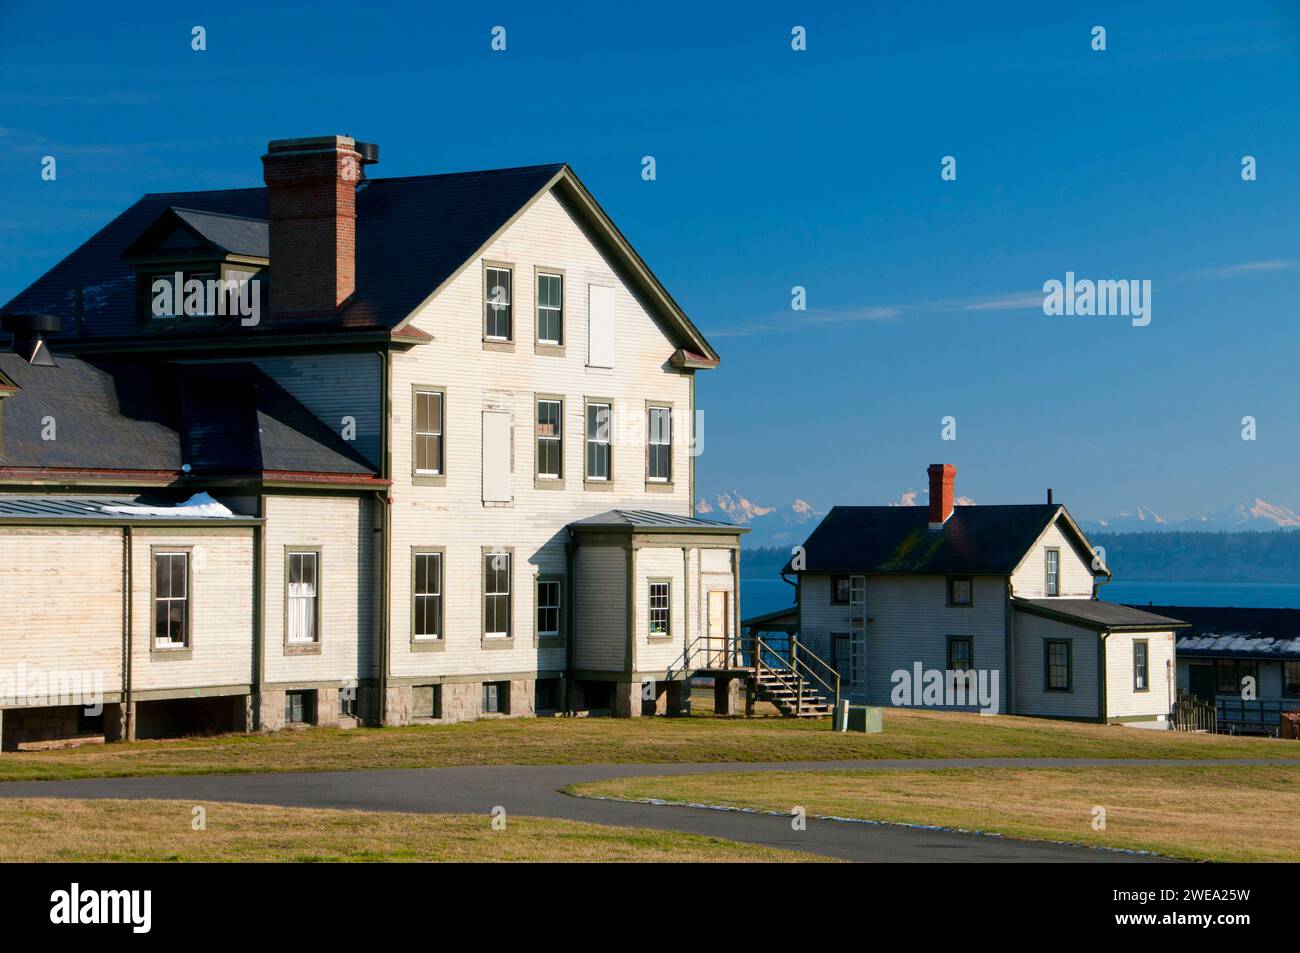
650 521
1096 614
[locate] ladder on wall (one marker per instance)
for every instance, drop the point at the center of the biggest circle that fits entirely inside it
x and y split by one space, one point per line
857 635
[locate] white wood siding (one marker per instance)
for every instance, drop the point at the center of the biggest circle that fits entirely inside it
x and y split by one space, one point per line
659 563
1121 699
62 595
453 515
1030 580
601 608
221 609
910 622
1031 696
342 528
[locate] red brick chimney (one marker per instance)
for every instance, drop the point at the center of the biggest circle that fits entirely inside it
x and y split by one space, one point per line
312 218
942 477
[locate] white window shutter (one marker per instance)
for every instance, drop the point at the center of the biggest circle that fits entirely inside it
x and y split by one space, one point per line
496 457
600 326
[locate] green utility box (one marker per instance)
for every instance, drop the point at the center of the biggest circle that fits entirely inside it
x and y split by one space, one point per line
865 718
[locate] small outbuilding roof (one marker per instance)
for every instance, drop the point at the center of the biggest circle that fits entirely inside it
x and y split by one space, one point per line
1095 613
1230 632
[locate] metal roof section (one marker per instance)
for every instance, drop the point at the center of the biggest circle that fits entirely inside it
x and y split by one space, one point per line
1232 632
112 510
650 521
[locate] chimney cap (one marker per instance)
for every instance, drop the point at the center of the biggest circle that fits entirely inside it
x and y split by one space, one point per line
369 152
31 323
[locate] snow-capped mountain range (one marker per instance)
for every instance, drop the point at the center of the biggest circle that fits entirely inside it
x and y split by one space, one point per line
1239 517
773 524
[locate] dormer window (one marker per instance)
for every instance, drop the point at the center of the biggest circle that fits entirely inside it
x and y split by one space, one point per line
199 268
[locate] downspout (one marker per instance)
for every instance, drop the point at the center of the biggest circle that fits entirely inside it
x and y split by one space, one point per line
385 514
1101 676
259 610
570 648
128 715
1009 651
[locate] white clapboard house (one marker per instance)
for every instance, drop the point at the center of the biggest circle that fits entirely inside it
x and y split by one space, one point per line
435 438
1004 594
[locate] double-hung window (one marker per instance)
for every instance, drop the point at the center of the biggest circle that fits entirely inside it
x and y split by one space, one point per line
303 598
171 602
548 608
496 304
960 656
1057 663
550 436
959 591
660 596
598 442
427 593
1053 578
659 448
428 432
1141 679
496 595
550 309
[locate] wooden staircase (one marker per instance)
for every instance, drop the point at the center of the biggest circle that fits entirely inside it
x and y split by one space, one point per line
793 695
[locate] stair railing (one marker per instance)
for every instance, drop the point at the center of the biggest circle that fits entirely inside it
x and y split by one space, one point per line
800 655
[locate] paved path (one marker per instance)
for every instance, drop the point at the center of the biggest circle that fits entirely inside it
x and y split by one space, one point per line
536 790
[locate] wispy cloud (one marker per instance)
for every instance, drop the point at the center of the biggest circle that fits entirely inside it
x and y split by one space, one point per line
1012 302
1246 268
847 315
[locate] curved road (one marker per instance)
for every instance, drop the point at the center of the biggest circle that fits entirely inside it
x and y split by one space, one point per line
536 790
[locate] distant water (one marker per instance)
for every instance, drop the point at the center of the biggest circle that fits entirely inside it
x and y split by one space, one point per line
1243 595
767 593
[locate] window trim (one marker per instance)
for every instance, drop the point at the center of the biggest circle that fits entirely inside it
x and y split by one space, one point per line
426 643
1285 693
667 634
652 484
1047 560
848 582
540 481
1069 665
186 650
1146 665
553 638
970 665
506 641
550 348
428 477
961 605
499 343
596 483
304 648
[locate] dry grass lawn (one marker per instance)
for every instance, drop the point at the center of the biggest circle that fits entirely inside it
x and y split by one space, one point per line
1223 813
54 829
908 734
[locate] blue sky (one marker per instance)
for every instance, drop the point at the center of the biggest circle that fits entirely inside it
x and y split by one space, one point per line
779 168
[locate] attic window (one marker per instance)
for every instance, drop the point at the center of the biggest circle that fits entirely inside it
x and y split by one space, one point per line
196 296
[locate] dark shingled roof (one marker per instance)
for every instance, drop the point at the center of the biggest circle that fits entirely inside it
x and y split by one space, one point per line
1095 612
1230 632
231 233
412 234
219 418
649 521
976 540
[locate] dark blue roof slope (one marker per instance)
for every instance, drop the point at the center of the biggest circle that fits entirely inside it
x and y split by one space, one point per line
897 539
218 418
412 234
